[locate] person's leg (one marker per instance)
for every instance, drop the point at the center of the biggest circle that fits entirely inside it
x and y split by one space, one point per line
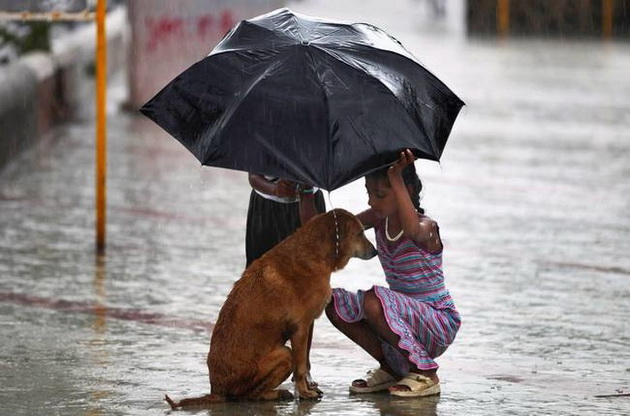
268 223
320 202
361 334
256 234
375 319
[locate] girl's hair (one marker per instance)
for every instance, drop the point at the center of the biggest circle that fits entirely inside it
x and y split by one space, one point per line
410 178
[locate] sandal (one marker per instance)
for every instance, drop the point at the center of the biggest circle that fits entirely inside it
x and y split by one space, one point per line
418 385
375 380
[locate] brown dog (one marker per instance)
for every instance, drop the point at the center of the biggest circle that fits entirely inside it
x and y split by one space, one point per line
277 298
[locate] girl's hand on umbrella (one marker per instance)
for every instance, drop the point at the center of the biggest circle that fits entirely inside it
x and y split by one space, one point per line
406 158
286 189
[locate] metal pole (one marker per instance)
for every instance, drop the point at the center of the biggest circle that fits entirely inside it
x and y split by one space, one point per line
101 124
607 19
503 18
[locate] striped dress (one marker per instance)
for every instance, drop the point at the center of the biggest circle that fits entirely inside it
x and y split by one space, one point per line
417 305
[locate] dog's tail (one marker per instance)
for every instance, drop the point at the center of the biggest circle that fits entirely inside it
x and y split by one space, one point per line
202 401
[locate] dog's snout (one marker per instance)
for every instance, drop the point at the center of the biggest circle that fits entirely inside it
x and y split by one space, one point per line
368 251
372 251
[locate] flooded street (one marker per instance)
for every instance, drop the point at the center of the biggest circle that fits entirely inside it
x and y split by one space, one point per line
532 196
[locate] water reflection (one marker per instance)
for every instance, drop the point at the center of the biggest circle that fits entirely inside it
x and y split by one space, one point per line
98 341
382 403
100 310
390 406
263 408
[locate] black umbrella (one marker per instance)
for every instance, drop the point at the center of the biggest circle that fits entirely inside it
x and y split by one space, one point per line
297 97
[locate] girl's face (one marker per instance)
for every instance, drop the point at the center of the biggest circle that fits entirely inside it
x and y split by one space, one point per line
380 197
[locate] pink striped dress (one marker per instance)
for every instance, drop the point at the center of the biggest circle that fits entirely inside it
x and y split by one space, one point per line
417 305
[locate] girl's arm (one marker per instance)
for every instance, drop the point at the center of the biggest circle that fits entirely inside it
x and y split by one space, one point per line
367 218
420 229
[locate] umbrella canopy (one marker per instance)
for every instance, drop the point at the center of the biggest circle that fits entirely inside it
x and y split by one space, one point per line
301 98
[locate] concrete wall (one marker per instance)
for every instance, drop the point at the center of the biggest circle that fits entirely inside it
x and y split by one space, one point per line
166 38
41 90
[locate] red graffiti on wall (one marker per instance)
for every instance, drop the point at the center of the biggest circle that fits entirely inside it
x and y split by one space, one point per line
169 28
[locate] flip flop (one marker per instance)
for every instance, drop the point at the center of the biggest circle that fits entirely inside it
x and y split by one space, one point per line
419 386
375 380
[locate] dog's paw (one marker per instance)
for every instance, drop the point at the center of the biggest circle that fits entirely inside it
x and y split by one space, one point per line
311 394
316 388
312 384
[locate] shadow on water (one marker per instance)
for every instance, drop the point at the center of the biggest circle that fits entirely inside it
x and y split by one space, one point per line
383 403
99 326
252 408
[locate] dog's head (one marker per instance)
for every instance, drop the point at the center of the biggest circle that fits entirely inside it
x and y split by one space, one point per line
348 237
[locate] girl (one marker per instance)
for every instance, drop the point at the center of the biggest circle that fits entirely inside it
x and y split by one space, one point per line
405 326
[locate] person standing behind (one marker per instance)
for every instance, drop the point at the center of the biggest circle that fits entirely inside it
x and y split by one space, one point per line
277 207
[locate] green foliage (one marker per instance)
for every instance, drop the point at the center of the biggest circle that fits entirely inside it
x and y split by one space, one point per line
38 38
27 37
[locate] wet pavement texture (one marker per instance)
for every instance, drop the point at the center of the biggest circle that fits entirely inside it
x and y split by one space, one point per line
532 197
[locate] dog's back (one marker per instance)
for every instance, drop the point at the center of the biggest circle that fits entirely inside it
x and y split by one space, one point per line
251 323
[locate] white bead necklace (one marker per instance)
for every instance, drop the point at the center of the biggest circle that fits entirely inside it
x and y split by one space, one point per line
387 231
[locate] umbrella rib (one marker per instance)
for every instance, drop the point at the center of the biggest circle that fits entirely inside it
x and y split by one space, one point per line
326 36
365 71
221 49
329 151
273 32
329 174
226 116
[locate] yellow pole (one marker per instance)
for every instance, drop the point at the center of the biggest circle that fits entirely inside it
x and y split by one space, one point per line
101 124
607 17
503 17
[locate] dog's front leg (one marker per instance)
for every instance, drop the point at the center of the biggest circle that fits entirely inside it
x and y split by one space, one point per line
299 345
312 384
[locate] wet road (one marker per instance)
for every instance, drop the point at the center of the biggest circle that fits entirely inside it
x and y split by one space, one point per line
532 196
